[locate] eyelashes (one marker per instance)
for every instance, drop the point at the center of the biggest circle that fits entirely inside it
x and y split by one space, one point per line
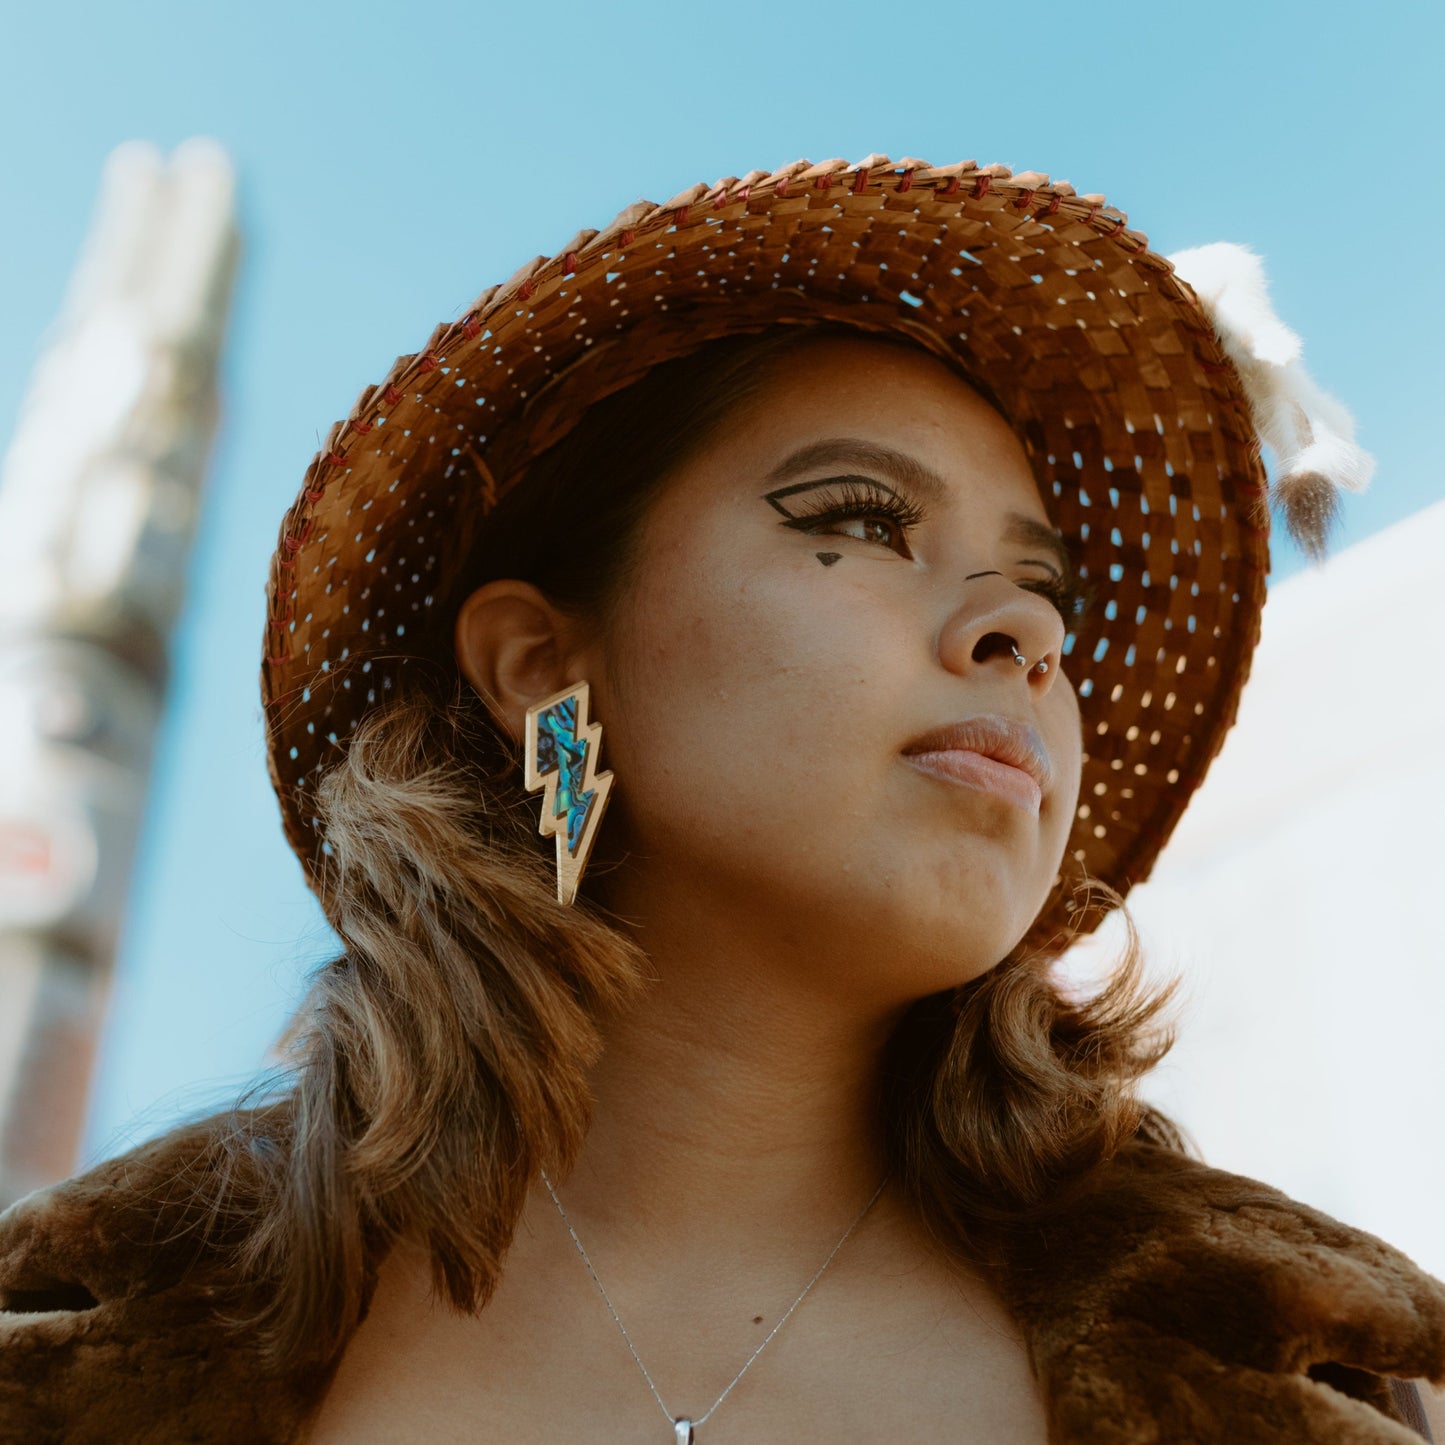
1068 595
822 507
817 506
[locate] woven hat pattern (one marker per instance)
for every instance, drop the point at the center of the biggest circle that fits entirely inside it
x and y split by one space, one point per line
1132 416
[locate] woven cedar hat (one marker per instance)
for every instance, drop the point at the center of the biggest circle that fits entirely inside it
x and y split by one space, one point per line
1134 415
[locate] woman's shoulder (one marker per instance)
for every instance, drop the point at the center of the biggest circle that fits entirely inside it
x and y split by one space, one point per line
113 1285
1204 1301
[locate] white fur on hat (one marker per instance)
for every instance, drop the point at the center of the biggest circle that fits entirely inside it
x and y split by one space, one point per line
1311 433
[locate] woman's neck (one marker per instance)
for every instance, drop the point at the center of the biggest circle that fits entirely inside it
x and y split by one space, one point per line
734 1108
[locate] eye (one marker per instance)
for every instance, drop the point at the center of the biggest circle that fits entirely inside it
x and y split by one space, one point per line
858 507
1065 593
867 527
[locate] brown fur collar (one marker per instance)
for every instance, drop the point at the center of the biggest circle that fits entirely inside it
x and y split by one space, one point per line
1166 1302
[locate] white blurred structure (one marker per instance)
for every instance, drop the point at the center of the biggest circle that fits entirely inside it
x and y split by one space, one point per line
1298 901
99 497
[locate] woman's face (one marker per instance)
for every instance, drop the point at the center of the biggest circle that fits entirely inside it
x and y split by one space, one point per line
845 568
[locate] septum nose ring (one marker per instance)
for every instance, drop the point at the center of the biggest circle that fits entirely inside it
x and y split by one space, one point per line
1040 667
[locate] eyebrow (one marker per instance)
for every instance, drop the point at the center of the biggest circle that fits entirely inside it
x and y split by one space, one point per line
921 481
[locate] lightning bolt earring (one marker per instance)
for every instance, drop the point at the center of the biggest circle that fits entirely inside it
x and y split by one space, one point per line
561 756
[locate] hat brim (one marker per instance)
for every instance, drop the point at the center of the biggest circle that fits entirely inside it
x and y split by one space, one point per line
1132 416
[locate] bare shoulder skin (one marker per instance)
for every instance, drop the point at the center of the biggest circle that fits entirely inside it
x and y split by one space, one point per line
1434 1401
891 1344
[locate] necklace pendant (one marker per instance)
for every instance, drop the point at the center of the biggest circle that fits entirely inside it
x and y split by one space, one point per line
683 1427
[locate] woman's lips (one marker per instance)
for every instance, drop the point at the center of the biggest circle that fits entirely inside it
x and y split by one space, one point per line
987 775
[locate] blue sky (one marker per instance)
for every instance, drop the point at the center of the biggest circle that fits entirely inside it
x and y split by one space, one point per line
394 160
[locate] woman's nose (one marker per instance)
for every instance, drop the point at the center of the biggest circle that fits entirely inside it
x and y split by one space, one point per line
1002 626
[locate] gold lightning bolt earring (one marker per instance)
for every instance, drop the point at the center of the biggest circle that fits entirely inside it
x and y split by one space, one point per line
561 757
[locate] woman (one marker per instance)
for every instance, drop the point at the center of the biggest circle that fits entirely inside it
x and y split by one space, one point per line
845 564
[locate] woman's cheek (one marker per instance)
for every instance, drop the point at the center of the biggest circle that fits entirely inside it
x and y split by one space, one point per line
740 708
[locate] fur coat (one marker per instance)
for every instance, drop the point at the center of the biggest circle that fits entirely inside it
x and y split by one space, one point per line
1168 1302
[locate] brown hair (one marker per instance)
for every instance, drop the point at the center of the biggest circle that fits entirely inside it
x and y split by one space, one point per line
442 1059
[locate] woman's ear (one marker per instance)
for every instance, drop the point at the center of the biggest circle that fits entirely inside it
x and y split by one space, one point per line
512 646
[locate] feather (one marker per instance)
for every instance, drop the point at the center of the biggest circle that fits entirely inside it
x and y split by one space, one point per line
1310 432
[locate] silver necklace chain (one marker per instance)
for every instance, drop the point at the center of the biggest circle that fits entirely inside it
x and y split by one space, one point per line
682 1425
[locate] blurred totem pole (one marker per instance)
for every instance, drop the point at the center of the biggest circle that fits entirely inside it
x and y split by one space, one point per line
99 497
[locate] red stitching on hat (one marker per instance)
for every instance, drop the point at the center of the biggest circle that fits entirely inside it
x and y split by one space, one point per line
905 181
1092 216
335 459
721 199
628 236
286 564
527 290
362 428
745 194
569 263
293 543
781 189
280 623
951 189
1119 225
860 183
391 395
980 187
822 183
1024 200
280 660
471 327
679 216
314 494
428 361
1053 204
